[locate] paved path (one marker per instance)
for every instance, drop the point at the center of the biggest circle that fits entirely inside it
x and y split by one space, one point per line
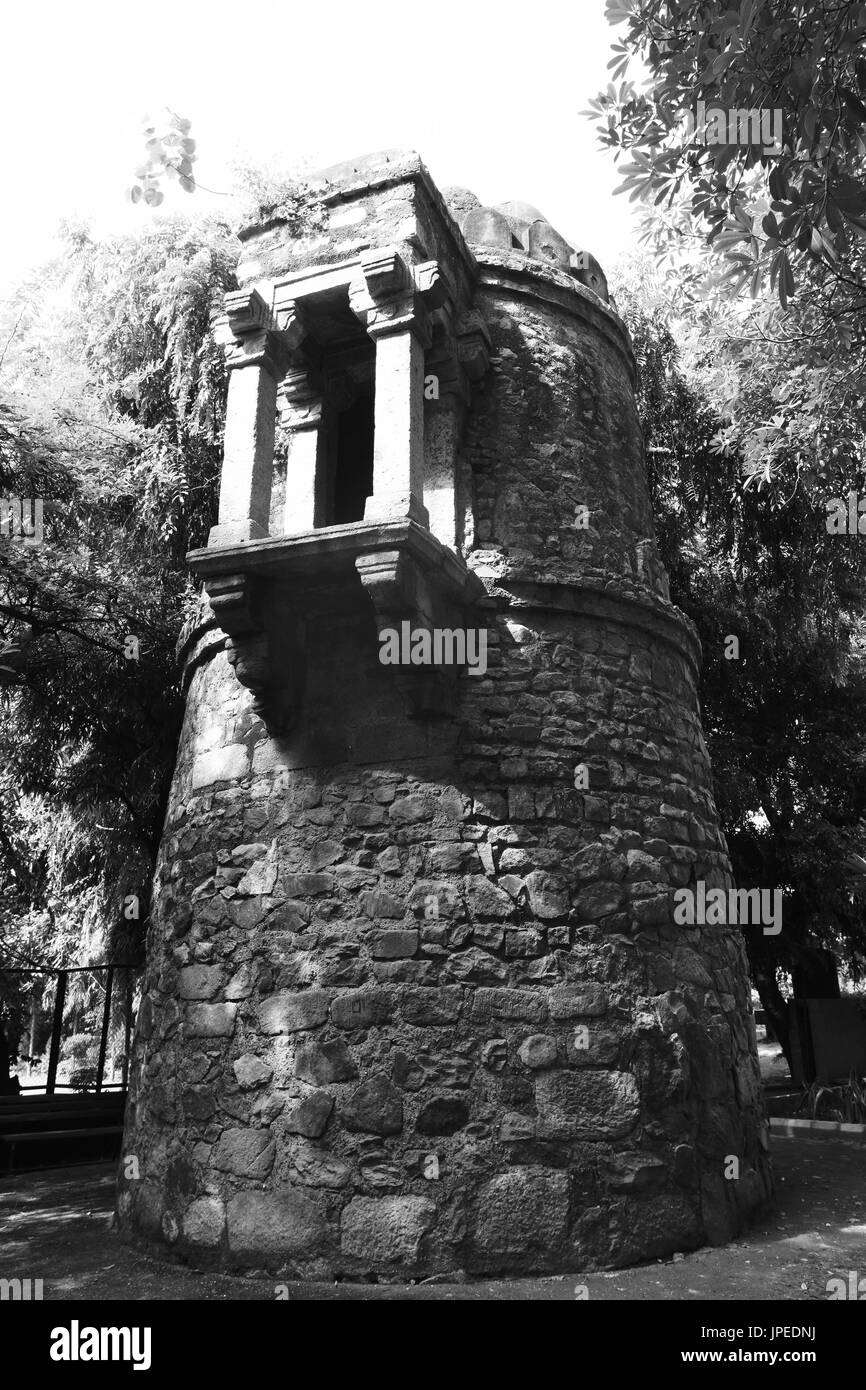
57 1226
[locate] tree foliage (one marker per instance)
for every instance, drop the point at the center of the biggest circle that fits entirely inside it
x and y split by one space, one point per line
783 723
111 409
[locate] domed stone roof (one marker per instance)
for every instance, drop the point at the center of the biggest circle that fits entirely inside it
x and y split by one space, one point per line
517 226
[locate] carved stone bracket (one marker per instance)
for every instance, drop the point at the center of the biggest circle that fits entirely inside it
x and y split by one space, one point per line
299 402
249 335
267 656
256 591
402 590
387 299
473 344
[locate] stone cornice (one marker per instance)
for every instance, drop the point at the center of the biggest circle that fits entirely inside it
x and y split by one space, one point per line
630 608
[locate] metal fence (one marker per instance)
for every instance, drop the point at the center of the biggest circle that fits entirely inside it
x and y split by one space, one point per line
102 994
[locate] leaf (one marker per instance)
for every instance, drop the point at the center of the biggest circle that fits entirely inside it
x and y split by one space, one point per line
771 226
778 182
810 122
187 183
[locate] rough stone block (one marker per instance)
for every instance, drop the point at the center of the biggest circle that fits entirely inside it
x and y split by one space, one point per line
522 1215
251 1071
362 1008
386 1231
380 904
200 981
375 1107
537 1051
289 1013
273 1226
442 1115
221 765
578 1001
322 1063
248 1153
210 1020
395 945
586 1104
204 1222
310 1115
434 1005
519 1004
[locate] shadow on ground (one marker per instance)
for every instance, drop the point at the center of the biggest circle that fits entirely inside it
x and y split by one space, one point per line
57 1226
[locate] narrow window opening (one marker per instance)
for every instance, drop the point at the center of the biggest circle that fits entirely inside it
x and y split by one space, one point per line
353 473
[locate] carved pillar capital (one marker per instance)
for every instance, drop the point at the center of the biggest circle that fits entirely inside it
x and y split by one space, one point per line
386 299
249 336
299 401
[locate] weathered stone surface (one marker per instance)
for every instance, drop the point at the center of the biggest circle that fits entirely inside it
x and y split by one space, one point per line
322 1063
200 981
310 1115
474 966
525 1005
442 1115
210 1020
538 1050
522 1214
361 1008
204 1222
221 765
431 1006
547 896
380 904
374 1107
586 1105
273 1227
395 945
251 1071
290 1013
248 1153
318 1167
578 1001
384 1231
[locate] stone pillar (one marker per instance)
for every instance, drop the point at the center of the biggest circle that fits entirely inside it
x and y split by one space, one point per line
459 355
443 427
388 303
301 413
255 358
398 448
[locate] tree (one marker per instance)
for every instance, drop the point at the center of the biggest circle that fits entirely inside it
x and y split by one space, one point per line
113 414
784 723
799 199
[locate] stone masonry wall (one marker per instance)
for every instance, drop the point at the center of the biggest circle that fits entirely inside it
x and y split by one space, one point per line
415 1002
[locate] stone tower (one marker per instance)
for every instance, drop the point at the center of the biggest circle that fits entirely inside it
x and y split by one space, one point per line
416 1001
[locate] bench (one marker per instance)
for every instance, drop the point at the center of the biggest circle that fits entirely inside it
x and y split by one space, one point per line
47 1121
9 1143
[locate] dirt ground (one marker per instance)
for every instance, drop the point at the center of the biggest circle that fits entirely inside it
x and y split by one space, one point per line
57 1226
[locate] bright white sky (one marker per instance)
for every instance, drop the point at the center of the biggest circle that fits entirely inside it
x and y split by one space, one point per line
490 94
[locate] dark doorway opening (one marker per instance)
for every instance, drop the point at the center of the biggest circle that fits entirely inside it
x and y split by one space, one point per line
353 475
